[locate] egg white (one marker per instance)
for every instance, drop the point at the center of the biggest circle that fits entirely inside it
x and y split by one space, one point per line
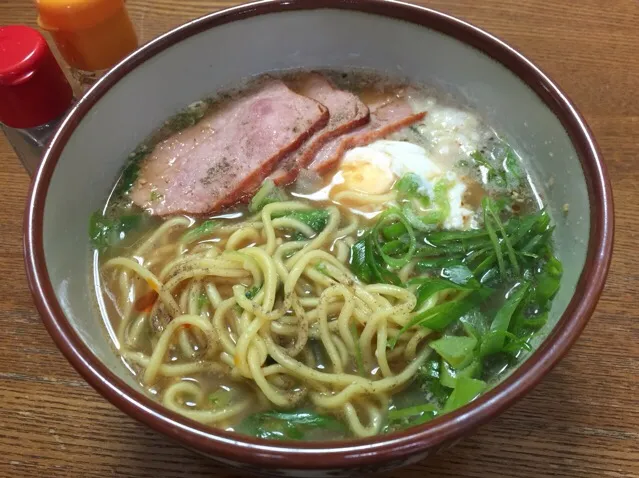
374 169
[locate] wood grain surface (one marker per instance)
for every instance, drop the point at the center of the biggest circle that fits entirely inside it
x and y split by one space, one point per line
581 421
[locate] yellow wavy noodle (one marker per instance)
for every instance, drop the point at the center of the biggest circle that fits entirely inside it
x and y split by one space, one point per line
307 300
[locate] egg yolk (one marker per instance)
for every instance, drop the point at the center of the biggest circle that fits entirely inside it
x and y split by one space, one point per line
365 177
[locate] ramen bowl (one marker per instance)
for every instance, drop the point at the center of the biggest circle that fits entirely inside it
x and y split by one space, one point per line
187 64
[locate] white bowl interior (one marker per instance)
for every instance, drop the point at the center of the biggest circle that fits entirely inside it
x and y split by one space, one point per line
201 64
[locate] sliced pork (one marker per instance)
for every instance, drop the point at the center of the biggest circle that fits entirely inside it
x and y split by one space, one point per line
227 154
386 117
346 110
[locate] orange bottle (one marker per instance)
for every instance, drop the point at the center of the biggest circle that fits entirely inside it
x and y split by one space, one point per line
92 35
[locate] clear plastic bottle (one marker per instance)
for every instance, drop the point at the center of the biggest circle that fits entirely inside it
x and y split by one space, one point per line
34 93
92 35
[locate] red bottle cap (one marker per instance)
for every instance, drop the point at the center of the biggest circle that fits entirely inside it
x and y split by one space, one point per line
33 88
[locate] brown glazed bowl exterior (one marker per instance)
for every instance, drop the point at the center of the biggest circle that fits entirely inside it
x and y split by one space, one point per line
339 458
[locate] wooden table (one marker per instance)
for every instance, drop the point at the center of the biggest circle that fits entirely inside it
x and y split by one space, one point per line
582 421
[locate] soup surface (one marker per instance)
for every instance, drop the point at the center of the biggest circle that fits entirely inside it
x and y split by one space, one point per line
323 255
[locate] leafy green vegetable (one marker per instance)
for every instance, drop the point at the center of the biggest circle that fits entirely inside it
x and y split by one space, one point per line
105 232
202 301
458 351
253 291
394 231
459 274
503 169
131 170
288 425
367 264
494 175
199 232
267 194
430 369
466 390
221 398
489 207
408 184
394 214
399 419
430 383
397 414
316 219
455 276
493 342
186 118
490 228
475 323
449 375
440 316
440 191
408 188
422 222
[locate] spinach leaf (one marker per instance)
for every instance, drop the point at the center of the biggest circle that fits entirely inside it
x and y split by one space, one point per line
430 383
199 232
105 232
316 219
288 425
131 170
187 117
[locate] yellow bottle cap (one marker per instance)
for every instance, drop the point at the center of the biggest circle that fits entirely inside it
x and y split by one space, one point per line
92 35
75 14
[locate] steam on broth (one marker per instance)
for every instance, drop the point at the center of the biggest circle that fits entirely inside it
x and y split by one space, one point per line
323 256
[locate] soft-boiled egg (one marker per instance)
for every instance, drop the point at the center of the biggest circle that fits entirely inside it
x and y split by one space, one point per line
375 168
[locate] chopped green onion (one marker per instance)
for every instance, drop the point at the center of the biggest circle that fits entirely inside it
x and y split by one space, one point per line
493 236
395 262
450 375
488 205
494 342
426 222
458 351
466 390
394 231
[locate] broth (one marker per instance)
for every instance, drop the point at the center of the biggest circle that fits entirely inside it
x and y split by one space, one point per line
396 287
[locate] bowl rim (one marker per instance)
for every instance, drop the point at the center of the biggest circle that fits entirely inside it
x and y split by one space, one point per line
228 446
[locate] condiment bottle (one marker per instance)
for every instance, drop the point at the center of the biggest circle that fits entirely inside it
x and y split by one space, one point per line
34 93
92 35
